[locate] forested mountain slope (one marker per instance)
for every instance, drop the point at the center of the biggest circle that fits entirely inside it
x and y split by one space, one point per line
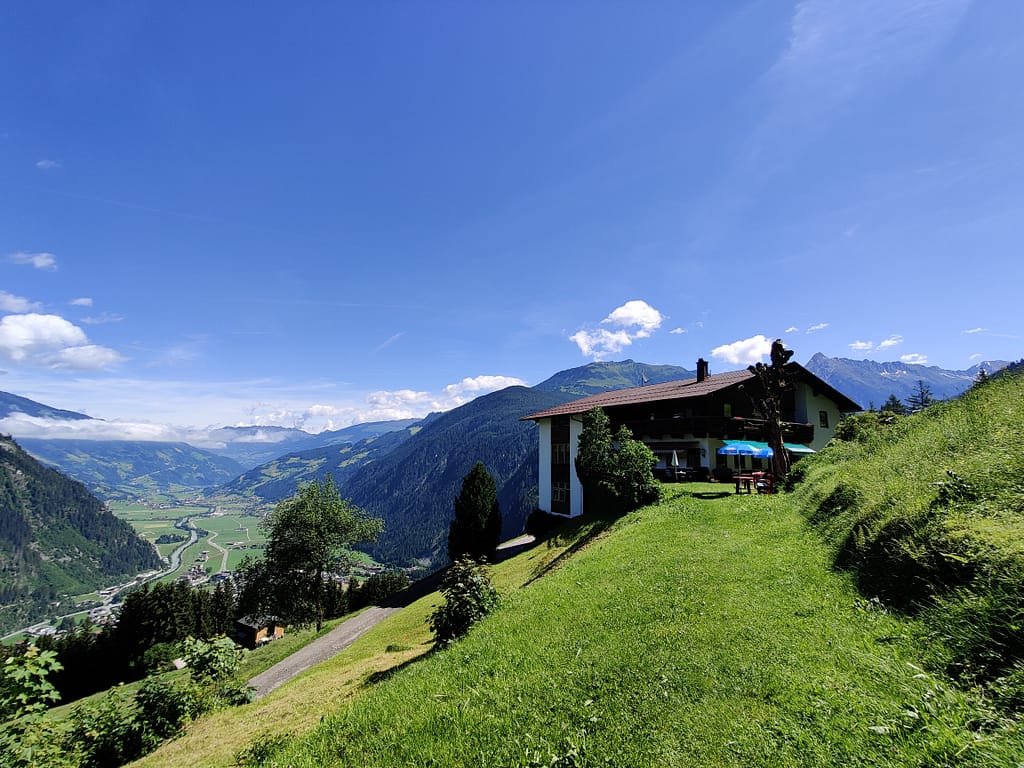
414 486
280 478
56 538
126 469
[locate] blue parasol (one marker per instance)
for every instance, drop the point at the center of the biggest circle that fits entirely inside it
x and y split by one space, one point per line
746 448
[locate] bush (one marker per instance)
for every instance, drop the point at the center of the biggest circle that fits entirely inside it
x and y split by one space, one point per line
163 710
468 597
540 523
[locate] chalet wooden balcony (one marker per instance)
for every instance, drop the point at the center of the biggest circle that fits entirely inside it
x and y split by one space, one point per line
720 427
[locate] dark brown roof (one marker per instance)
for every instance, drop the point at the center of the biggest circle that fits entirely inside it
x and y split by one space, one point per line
669 390
685 388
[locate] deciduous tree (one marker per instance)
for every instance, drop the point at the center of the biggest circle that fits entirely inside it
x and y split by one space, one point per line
309 538
616 471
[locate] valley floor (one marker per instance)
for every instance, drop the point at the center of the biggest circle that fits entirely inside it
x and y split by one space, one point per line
707 630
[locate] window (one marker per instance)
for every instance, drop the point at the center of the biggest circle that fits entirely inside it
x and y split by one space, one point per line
727 410
560 453
823 419
559 491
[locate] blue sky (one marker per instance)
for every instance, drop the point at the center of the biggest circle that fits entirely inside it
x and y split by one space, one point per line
329 213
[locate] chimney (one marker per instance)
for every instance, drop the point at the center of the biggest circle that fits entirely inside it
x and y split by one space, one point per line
702 369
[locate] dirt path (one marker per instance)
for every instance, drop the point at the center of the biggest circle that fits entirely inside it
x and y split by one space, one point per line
346 633
321 649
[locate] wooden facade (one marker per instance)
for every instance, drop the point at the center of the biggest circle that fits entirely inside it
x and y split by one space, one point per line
254 631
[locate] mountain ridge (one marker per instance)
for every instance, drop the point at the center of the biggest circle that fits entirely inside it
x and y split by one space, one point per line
56 538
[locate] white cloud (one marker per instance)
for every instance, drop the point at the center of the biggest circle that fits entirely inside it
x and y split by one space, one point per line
51 341
975 330
792 329
862 346
22 425
480 384
744 352
382 405
84 301
102 318
601 343
47 165
914 359
892 341
89 357
818 327
678 330
637 314
838 50
389 341
633 320
976 356
11 303
38 260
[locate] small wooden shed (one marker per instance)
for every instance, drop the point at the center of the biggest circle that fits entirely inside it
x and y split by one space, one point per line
254 631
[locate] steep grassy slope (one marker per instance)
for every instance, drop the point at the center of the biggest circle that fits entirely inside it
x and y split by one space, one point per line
928 512
708 630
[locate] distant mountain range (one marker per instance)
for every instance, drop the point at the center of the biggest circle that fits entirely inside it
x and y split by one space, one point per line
127 469
252 446
409 472
871 383
56 539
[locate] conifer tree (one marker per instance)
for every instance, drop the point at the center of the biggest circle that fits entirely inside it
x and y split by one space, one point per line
476 528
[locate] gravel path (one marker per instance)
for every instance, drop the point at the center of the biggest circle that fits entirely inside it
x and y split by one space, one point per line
346 633
321 649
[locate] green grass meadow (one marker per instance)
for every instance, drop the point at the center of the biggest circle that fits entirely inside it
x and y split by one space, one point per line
709 629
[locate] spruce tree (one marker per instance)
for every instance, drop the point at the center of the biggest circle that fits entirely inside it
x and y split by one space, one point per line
476 528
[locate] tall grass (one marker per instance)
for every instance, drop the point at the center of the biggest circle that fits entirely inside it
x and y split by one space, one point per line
928 512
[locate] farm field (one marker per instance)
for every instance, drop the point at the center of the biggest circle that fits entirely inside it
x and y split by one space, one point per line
233 528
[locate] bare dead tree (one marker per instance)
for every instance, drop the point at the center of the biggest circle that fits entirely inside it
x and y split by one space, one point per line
770 385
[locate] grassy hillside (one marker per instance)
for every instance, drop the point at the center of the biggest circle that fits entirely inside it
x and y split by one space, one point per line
928 512
707 630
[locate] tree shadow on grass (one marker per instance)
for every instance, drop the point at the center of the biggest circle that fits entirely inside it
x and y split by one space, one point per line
383 674
581 532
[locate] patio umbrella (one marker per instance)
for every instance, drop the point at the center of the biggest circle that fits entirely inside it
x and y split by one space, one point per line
675 459
746 448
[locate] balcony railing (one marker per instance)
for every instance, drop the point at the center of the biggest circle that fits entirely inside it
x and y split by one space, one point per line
720 427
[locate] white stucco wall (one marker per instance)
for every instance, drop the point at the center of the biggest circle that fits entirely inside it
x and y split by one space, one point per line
544 470
575 486
808 405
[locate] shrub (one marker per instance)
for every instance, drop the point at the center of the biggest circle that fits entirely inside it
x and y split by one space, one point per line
540 523
468 597
25 694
